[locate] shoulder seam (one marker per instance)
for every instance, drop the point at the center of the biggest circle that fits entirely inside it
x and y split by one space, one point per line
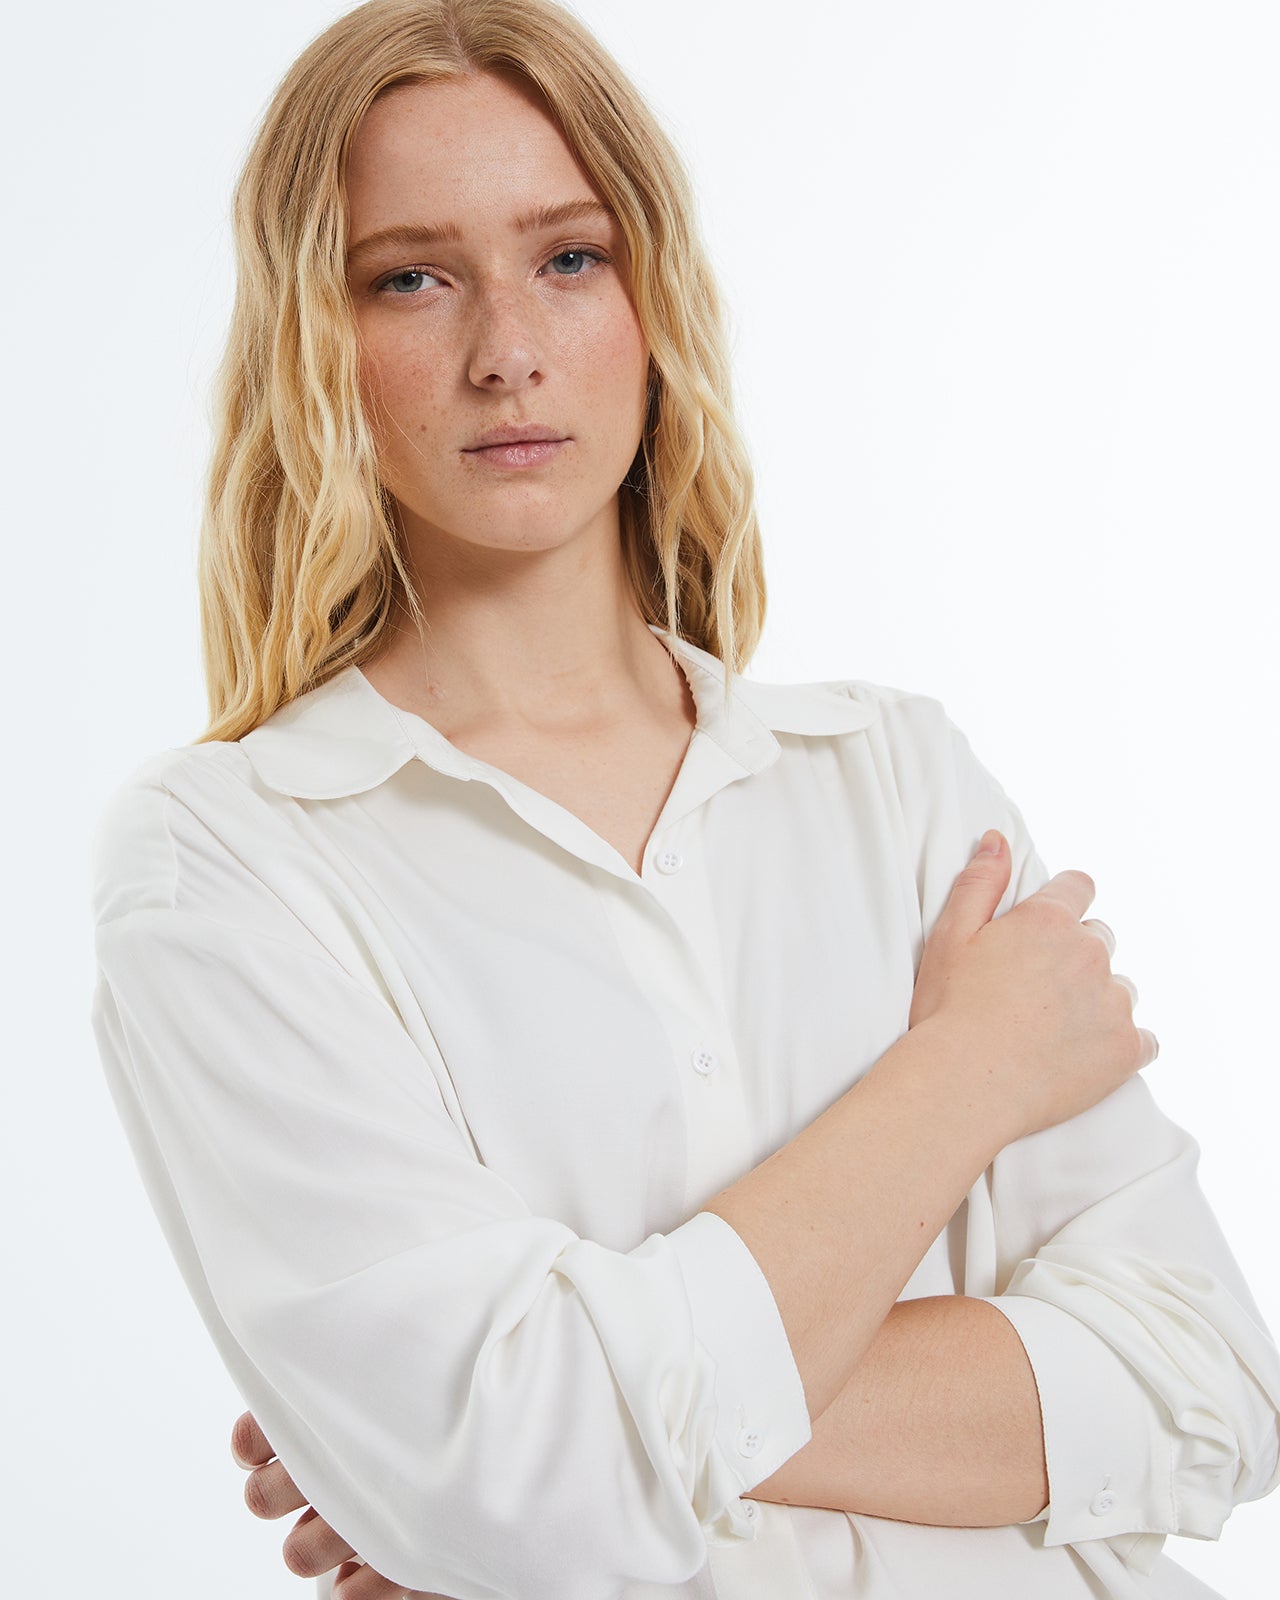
857 688
152 769
152 776
170 800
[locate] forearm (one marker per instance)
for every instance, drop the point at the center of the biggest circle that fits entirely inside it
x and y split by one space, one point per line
939 1423
918 1129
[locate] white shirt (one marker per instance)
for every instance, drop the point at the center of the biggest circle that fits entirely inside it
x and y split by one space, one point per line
427 1087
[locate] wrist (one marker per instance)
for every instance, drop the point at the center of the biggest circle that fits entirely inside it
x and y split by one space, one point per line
961 1077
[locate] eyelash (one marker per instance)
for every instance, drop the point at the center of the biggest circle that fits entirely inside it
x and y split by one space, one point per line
383 285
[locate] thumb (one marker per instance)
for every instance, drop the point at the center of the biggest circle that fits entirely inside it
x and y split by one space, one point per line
971 905
978 889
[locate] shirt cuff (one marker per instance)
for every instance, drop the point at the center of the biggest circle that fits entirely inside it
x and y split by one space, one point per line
762 1416
1108 1447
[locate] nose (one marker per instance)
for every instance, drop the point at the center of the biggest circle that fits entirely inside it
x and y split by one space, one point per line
505 347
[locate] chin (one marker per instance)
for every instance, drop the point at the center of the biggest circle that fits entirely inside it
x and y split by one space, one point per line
545 528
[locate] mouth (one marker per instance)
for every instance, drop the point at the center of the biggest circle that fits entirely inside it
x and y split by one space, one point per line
517 454
526 433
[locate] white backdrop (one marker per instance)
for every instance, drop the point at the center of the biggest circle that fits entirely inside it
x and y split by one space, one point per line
1004 282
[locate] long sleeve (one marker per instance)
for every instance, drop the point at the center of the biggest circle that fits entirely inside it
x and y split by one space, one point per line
481 1401
1159 1382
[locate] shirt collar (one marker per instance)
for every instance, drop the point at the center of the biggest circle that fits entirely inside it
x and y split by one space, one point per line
344 737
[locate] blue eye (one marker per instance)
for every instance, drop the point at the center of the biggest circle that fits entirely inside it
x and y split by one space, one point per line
395 281
586 255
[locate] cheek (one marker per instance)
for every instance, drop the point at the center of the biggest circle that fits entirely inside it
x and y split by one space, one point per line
612 364
388 370
373 387
400 390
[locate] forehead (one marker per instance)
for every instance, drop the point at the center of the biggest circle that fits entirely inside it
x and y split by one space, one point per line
480 148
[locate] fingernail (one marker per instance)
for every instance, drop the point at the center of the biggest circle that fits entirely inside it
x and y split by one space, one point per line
990 844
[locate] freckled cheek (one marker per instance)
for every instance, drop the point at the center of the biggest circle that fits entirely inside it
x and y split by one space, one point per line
399 388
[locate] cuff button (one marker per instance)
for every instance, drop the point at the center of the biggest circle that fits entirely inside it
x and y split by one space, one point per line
749 1442
1102 1503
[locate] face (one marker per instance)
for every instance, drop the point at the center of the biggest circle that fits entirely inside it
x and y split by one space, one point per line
475 314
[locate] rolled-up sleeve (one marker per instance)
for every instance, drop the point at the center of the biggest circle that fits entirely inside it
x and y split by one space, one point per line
480 1401
1159 1381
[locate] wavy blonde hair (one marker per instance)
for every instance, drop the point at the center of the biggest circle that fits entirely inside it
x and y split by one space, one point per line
299 555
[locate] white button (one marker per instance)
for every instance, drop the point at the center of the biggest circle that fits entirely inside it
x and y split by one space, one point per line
1102 1503
704 1061
751 1510
668 861
749 1442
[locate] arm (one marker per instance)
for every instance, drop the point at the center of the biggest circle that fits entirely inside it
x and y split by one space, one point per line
940 1423
412 1339
1158 1382
385 1302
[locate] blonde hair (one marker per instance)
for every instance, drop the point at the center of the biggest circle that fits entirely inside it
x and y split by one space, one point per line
299 556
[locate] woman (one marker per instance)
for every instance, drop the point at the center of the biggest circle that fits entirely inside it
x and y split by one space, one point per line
622 1134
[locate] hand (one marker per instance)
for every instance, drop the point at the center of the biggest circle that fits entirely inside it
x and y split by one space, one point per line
1046 1026
312 1546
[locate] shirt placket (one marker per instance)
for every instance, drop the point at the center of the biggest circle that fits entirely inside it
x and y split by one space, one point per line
664 930
667 931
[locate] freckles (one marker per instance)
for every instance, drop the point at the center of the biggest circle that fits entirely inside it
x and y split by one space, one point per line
404 380
432 419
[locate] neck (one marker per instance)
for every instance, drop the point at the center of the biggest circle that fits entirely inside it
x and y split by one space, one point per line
550 640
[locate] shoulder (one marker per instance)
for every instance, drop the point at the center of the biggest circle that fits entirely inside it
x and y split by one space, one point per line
913 722
893 714
890 702
194 833
134 845
907 728
920 750
919 740
944 794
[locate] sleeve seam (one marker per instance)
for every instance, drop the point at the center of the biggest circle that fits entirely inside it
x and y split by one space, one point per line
331 965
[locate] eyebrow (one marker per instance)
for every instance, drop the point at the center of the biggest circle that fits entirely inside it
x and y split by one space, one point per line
411 233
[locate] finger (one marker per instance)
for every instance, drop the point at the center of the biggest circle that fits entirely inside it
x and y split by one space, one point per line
1072 888
312 1547
249 1445
1103 932
355 1582
1150 1048
975 894
1129 984
270 1492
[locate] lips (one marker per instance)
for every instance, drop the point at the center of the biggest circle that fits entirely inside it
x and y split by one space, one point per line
527 433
